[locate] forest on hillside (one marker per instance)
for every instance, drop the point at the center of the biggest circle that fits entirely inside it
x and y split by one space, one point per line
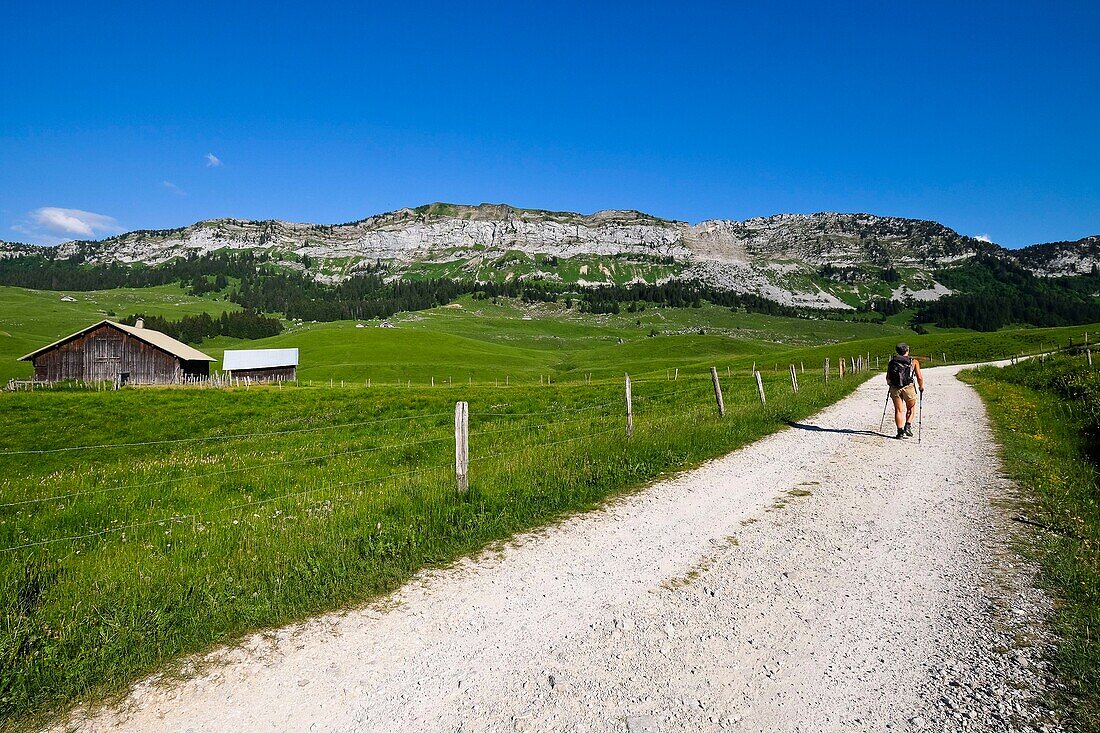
989 293
245 324
992 293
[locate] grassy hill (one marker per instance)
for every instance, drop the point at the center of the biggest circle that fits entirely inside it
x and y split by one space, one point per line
483 342
470 339
30 319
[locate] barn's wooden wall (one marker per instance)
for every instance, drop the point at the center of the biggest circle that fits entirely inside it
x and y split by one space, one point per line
271 374
106 352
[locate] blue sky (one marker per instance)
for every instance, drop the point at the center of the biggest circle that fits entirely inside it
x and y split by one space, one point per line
118 116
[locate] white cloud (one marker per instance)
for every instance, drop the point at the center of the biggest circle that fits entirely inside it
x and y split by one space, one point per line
983 238
74 221
213 161
173 188
33 235
54 225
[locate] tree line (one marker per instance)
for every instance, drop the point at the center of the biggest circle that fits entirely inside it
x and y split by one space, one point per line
47 272
991 292
245 324
999 293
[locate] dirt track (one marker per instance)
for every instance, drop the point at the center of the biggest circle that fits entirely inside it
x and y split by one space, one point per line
824 578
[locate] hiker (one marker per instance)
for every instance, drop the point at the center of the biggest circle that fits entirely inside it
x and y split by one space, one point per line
901 374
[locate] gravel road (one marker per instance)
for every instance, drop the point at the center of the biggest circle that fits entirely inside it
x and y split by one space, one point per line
822 579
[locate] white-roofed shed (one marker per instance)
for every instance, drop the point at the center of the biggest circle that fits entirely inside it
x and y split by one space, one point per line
261 364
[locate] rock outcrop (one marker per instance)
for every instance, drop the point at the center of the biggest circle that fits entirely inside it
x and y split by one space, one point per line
777 256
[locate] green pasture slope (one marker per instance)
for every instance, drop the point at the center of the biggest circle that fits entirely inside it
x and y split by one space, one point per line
30 319
478 342
139 526
511 341
482 342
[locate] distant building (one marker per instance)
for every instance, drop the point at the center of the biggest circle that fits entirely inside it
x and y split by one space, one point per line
385 324
261 365
109 351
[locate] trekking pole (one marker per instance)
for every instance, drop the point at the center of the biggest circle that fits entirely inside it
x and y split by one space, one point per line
882 423
920 415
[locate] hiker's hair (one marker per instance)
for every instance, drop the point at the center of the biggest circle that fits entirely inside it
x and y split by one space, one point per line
902 348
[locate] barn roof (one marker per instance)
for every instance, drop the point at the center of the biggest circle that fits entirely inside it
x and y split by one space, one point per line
162 341
236 359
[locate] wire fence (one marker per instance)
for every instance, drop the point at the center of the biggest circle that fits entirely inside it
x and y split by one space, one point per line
539 432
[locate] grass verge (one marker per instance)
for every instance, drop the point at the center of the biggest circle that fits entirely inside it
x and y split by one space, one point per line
1046 416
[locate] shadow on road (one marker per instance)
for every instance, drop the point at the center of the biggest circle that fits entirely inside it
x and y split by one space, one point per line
844 431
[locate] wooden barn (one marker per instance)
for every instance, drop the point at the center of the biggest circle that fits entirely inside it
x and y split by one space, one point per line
109 351
261 365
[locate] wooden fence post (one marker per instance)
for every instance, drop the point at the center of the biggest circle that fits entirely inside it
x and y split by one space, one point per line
794 380
760 388
1088 355
944 355
802 366
676 375
826 370
718 392
462 446
629 410
842 367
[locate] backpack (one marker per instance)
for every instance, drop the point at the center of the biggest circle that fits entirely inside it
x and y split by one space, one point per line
899 372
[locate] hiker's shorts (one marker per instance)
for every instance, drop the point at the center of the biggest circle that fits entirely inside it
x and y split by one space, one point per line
908 393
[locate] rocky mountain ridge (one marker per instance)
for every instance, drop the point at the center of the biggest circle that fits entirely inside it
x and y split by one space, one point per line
780 257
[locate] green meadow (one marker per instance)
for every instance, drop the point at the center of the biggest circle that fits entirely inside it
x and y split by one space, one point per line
480 341
30 319
143 525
